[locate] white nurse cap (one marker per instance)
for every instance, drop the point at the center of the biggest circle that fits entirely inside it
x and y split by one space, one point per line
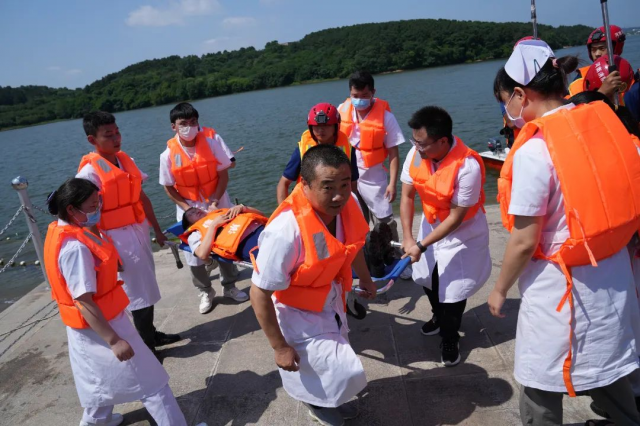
527 59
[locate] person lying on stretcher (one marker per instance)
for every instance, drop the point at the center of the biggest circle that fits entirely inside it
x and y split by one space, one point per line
230 233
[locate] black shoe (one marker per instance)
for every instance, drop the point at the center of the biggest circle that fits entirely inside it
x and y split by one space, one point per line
431 327
450 352
599 411
355 309
162 339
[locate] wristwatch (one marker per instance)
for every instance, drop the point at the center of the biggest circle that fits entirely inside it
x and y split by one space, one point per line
421 247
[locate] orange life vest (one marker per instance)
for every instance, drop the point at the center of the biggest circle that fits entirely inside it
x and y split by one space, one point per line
195 178
436 189
326 259
209 132
121 188
229 238
372 131
307 142
577 85
598 166
110 296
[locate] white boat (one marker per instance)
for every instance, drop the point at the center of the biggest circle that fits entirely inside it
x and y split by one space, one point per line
495 156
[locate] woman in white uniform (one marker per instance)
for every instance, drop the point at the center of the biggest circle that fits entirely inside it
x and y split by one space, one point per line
110 362
575 329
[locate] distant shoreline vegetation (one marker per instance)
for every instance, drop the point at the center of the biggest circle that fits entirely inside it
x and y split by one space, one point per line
324 55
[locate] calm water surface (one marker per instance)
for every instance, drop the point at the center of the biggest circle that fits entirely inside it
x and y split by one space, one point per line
266 123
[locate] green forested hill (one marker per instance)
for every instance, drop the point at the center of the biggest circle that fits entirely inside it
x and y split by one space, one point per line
332 53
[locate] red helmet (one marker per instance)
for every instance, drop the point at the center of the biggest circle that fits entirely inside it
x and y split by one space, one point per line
600 70
323 113
617 37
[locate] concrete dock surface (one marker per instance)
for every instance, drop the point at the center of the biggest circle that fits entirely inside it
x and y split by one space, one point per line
223 372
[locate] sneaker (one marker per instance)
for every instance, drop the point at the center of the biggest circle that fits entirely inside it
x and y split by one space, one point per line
348 411
235 294
599 411
206 300
116 419
450 352
162 339
326 416
407 273
431 327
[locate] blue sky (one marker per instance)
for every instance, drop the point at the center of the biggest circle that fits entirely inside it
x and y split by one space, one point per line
72 43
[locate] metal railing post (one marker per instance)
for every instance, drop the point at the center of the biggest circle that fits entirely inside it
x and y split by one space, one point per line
20 184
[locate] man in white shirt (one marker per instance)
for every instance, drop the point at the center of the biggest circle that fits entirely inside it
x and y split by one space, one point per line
184 148
375 134
299 282
453 235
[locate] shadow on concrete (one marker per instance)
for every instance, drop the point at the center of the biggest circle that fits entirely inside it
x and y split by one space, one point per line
229 399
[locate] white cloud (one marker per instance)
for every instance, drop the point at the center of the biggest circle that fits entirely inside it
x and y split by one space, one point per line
174 14
216 41
238 21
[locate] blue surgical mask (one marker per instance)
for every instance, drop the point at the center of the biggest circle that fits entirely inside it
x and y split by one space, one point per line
360 104
517 121
92 218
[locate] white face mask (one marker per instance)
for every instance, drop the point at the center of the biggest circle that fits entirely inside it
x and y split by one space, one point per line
188 133
517 121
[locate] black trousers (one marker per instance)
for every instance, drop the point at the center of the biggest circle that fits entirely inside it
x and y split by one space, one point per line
143 321
448 315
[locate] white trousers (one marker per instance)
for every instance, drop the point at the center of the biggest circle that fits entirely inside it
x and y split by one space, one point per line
162 406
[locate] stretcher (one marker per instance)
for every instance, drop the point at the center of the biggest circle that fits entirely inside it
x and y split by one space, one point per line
392 272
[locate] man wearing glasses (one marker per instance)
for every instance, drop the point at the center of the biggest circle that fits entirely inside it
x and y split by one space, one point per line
451 257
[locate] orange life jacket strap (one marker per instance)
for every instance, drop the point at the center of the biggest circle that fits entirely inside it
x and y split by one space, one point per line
568 296
253 258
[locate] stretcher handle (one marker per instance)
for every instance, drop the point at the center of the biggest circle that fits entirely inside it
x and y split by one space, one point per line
381 290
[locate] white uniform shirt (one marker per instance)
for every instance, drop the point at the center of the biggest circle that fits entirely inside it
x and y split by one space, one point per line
101 380
463 257
220 151
373 181
330 372
134 247
606 313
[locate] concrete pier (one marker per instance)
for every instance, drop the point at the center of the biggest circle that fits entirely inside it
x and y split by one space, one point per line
223 372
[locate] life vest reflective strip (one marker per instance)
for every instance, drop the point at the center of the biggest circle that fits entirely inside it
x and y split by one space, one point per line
110 296
307 142
326 259
226 243
577 86
195 178
121 188
436 189
598 166
372 131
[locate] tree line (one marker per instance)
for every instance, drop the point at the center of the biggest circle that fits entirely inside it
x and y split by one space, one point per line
327 54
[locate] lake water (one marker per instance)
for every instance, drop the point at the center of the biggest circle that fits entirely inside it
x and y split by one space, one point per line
266 123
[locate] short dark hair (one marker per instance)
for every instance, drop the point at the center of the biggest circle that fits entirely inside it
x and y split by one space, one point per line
435 120
622 112
361 80
93 120
186 223
183 111
549 81
321 155
73 192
